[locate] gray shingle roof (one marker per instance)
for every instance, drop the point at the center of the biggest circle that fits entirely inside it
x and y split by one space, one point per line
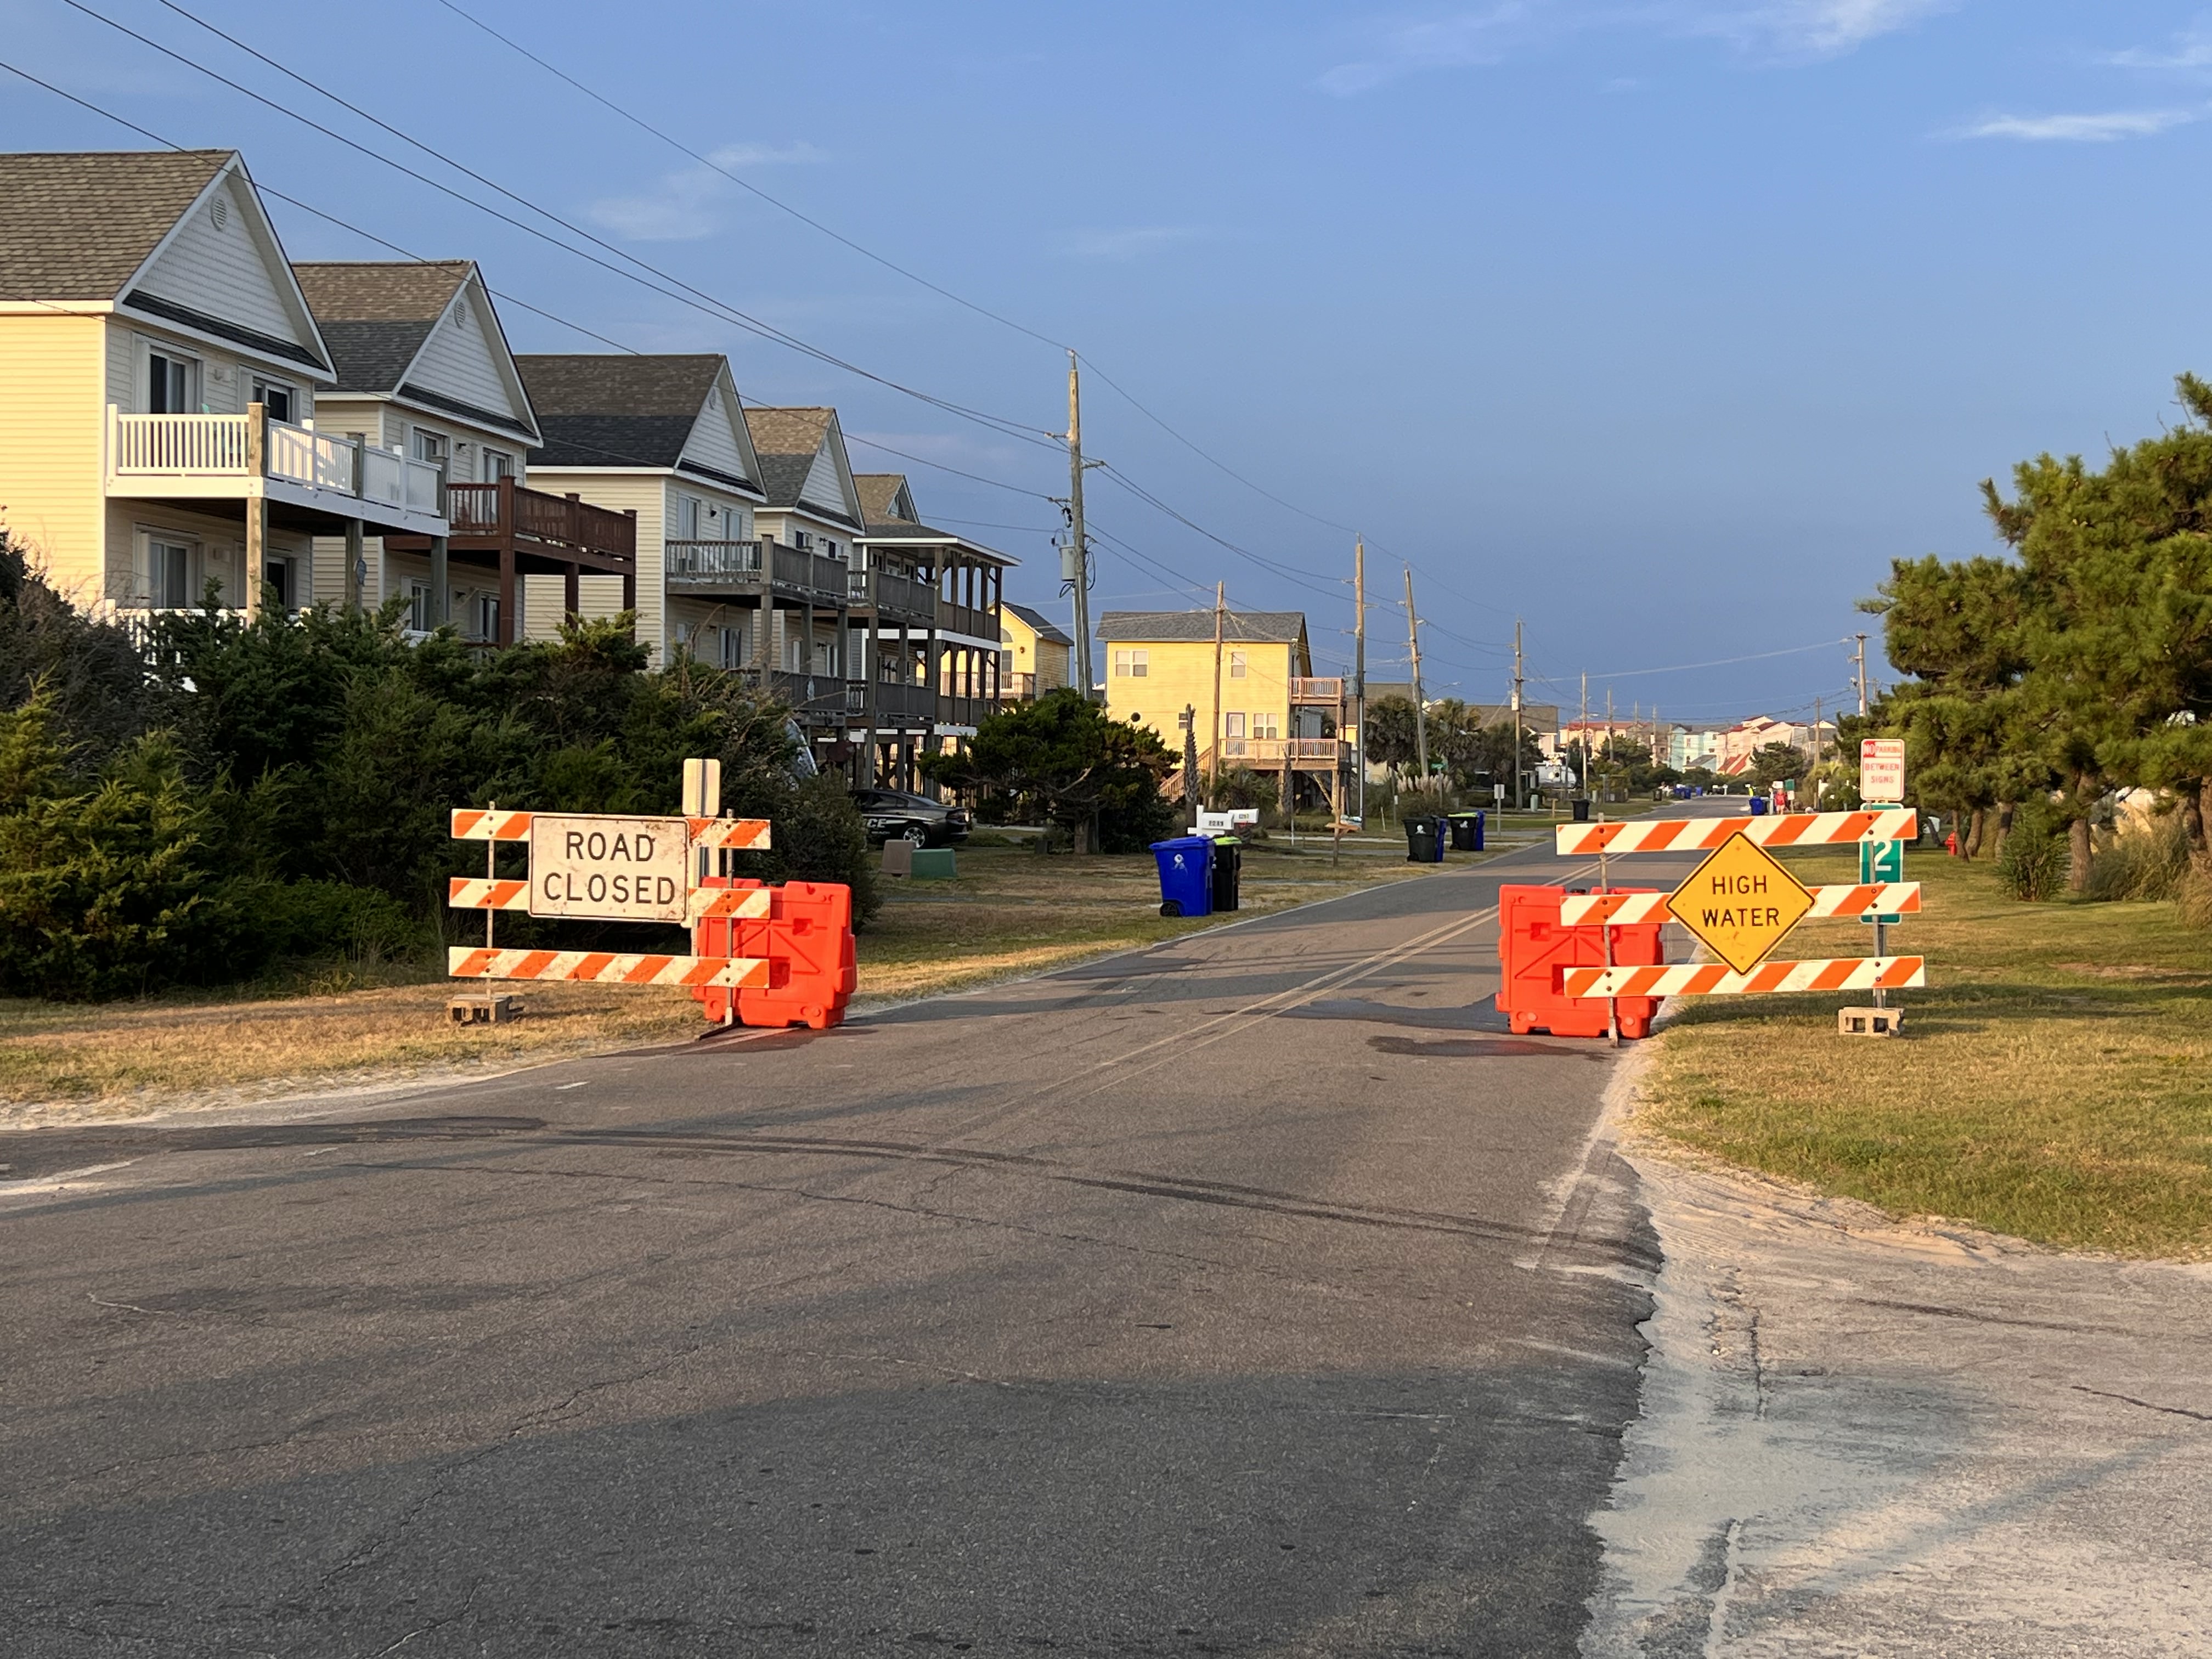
372 356
375 314
609 411
77 225
1246 627
782 477
1043 630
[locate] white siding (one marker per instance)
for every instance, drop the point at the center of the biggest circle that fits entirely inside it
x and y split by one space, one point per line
822 487
460 360
226 272
713 441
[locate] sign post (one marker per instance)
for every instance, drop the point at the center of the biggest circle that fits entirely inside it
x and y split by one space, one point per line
1881 779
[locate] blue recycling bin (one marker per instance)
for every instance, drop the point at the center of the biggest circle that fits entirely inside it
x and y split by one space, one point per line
1186 875
1759 806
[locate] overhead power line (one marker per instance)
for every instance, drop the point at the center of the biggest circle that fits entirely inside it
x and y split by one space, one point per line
663 283
624 113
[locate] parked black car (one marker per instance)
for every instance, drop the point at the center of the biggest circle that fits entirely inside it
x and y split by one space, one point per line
893 812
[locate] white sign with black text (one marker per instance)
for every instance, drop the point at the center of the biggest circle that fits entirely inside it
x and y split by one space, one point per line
607 869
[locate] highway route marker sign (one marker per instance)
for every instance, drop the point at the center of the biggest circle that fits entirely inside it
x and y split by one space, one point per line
1741 902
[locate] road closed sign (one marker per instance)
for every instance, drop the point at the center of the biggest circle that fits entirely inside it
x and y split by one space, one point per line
608 869
1882 769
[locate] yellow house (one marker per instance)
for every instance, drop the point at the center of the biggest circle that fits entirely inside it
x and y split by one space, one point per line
1273 714
160 371
1037 652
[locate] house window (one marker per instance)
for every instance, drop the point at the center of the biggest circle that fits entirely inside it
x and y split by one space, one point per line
1232 725
1267 726
687 519
801 540
431 447
1132 665
829 548
497 464
418 607
1237 665
172 383
733 648
487 616
276 577
171 567
275 398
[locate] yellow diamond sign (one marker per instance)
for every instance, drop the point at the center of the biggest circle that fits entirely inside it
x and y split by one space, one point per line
1740 902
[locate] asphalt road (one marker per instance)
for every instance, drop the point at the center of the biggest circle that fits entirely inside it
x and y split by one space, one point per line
1257 1292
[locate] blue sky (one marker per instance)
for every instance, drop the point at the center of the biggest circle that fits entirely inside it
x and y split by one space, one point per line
1664 325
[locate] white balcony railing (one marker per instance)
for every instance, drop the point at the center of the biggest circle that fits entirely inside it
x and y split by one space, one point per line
205 444
146 446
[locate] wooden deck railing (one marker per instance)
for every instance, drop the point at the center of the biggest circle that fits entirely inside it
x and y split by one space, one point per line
554 524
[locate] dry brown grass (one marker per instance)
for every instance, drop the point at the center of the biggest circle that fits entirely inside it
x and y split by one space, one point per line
1011 912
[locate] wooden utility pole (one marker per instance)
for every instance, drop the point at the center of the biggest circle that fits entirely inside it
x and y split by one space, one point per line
1863 707
1518 780
1582 782
1360 667
1608 739
1420 709
1079 543
1220 622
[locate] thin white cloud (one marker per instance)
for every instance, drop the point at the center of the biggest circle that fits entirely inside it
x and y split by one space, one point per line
2101 128
1806 28
686 205
1461 42
1784 30
1129 242
2191 53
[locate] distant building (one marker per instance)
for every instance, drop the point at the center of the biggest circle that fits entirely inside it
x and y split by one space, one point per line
1037 652
1272 714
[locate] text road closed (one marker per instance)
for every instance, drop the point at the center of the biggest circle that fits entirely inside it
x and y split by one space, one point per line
607 869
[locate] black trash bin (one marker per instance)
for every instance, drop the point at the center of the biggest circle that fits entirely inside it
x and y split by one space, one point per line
1425 839
1581 809
1467 832
1228 868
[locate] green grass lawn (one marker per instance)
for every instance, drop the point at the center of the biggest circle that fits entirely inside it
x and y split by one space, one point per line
2054 1083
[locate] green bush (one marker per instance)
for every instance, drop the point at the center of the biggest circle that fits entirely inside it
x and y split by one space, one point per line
241 793
2033 866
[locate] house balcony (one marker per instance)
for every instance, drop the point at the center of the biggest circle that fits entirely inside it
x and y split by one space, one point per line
1308 689
739 570
313 481
1299 754
963 714
970 622
893 598
813 699
901 705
